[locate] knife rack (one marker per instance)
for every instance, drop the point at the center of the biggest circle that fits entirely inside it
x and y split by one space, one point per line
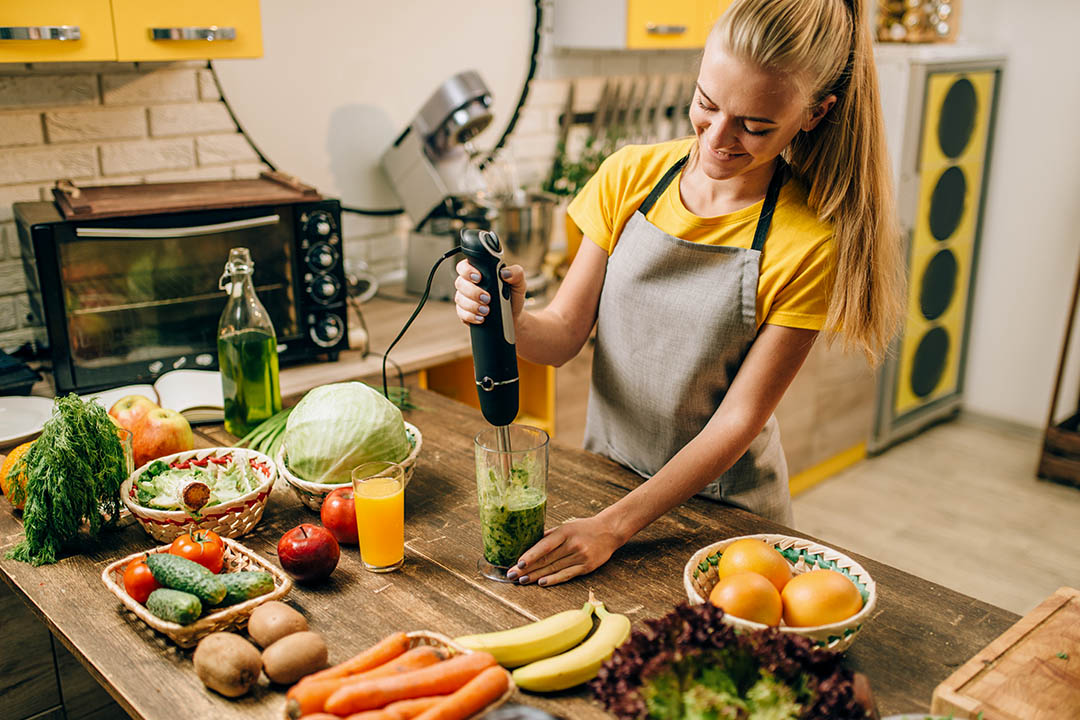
589 117
1060 459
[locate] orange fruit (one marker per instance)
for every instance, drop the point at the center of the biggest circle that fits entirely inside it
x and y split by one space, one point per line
7 483
820 597
748 596
753 555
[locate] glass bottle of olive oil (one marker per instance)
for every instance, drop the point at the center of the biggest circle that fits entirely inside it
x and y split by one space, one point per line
247 350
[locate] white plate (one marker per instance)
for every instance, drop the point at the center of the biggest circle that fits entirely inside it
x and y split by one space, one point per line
22 417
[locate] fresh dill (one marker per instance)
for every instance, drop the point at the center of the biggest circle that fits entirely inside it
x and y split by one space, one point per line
73 475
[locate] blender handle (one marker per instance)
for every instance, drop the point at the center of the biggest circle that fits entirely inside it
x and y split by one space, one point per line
493 342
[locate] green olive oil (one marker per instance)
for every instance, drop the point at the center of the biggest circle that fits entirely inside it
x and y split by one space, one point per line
249 379
247 350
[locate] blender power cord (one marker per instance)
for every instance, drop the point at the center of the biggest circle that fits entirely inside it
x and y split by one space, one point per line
423 299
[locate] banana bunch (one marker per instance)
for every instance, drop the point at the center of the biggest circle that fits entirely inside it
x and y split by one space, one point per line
547 653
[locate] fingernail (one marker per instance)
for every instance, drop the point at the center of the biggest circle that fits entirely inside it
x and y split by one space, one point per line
485 298
478 318
475 277
523 579
521 564
505 274
542 582
483 310
511 574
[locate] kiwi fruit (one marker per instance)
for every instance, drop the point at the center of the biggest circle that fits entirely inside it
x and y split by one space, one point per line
227 663
272 621
294 656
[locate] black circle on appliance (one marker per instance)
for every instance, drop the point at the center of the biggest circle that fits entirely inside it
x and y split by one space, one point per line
947 203
929 363
938 284
957 121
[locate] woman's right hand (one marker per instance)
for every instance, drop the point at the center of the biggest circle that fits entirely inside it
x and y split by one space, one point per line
473 304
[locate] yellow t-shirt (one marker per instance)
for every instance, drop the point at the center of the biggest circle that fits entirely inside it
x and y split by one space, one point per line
798 260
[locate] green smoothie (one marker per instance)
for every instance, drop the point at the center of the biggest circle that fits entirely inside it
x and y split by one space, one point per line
512 520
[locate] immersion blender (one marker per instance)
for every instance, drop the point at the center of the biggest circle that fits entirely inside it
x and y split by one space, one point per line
493 343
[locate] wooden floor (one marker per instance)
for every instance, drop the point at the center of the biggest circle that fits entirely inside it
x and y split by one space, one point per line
958 505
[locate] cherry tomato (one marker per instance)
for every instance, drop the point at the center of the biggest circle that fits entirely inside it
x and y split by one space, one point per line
138 581
201 546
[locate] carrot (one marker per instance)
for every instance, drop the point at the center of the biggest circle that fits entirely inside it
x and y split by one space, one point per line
400 710
310 694
381 652
320 716
438 679
471 698
418 657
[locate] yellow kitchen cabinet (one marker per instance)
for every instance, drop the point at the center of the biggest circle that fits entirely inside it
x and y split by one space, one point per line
191 30
663 24
456 379
43 31
634 24
56 31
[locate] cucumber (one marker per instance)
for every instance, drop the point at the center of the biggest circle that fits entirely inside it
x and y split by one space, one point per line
174 606
179 573
242 586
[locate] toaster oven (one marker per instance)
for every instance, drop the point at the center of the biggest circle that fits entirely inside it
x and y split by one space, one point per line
125 299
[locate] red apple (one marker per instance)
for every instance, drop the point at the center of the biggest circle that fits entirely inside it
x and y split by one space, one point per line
160 432
308 553
130 409
339 516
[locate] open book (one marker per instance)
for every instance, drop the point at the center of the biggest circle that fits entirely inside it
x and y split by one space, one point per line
195 394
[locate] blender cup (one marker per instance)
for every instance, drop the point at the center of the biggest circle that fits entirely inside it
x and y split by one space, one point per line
512 490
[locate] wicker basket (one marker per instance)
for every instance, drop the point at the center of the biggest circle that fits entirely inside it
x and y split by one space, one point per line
700 576
237 557
232 519
313 494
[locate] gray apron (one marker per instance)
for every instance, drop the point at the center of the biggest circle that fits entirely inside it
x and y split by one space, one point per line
676 319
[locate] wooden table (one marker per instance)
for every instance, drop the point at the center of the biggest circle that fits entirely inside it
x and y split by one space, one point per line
919 633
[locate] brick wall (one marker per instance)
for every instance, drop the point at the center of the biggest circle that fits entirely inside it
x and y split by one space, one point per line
98 123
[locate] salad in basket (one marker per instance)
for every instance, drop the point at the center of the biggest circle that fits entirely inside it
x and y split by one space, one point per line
198 483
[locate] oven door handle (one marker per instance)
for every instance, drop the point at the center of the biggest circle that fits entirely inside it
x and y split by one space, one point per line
181 232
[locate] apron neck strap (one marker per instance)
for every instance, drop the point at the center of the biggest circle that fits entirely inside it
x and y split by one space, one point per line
767 208
657 191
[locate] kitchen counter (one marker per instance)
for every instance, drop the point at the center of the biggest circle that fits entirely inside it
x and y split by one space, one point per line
918 635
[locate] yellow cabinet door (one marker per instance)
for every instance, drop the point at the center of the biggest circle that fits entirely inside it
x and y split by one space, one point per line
190 30
30 22
659 24
710 11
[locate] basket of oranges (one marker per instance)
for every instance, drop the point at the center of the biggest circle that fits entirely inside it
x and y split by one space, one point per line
778 580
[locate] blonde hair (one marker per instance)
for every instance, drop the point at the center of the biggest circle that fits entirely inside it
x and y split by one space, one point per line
844 162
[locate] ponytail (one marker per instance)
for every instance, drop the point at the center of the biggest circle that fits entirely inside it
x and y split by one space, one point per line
843 160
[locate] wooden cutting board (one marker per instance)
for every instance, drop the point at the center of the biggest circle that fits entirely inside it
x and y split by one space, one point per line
108 201
1031 672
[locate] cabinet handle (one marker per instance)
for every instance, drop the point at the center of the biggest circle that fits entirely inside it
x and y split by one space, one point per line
654 29
210 34
41 32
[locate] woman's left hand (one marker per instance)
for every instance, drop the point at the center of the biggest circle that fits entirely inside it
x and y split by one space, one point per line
574 548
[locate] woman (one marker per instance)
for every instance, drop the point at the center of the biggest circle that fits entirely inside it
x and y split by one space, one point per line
710 265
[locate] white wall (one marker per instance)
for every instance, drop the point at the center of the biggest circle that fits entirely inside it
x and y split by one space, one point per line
1031 224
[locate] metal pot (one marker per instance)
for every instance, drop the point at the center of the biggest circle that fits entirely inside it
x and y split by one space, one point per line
524 224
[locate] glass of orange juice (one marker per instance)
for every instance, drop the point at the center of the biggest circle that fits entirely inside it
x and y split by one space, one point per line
379 497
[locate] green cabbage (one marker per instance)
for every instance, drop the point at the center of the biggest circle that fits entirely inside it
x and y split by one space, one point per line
339 426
